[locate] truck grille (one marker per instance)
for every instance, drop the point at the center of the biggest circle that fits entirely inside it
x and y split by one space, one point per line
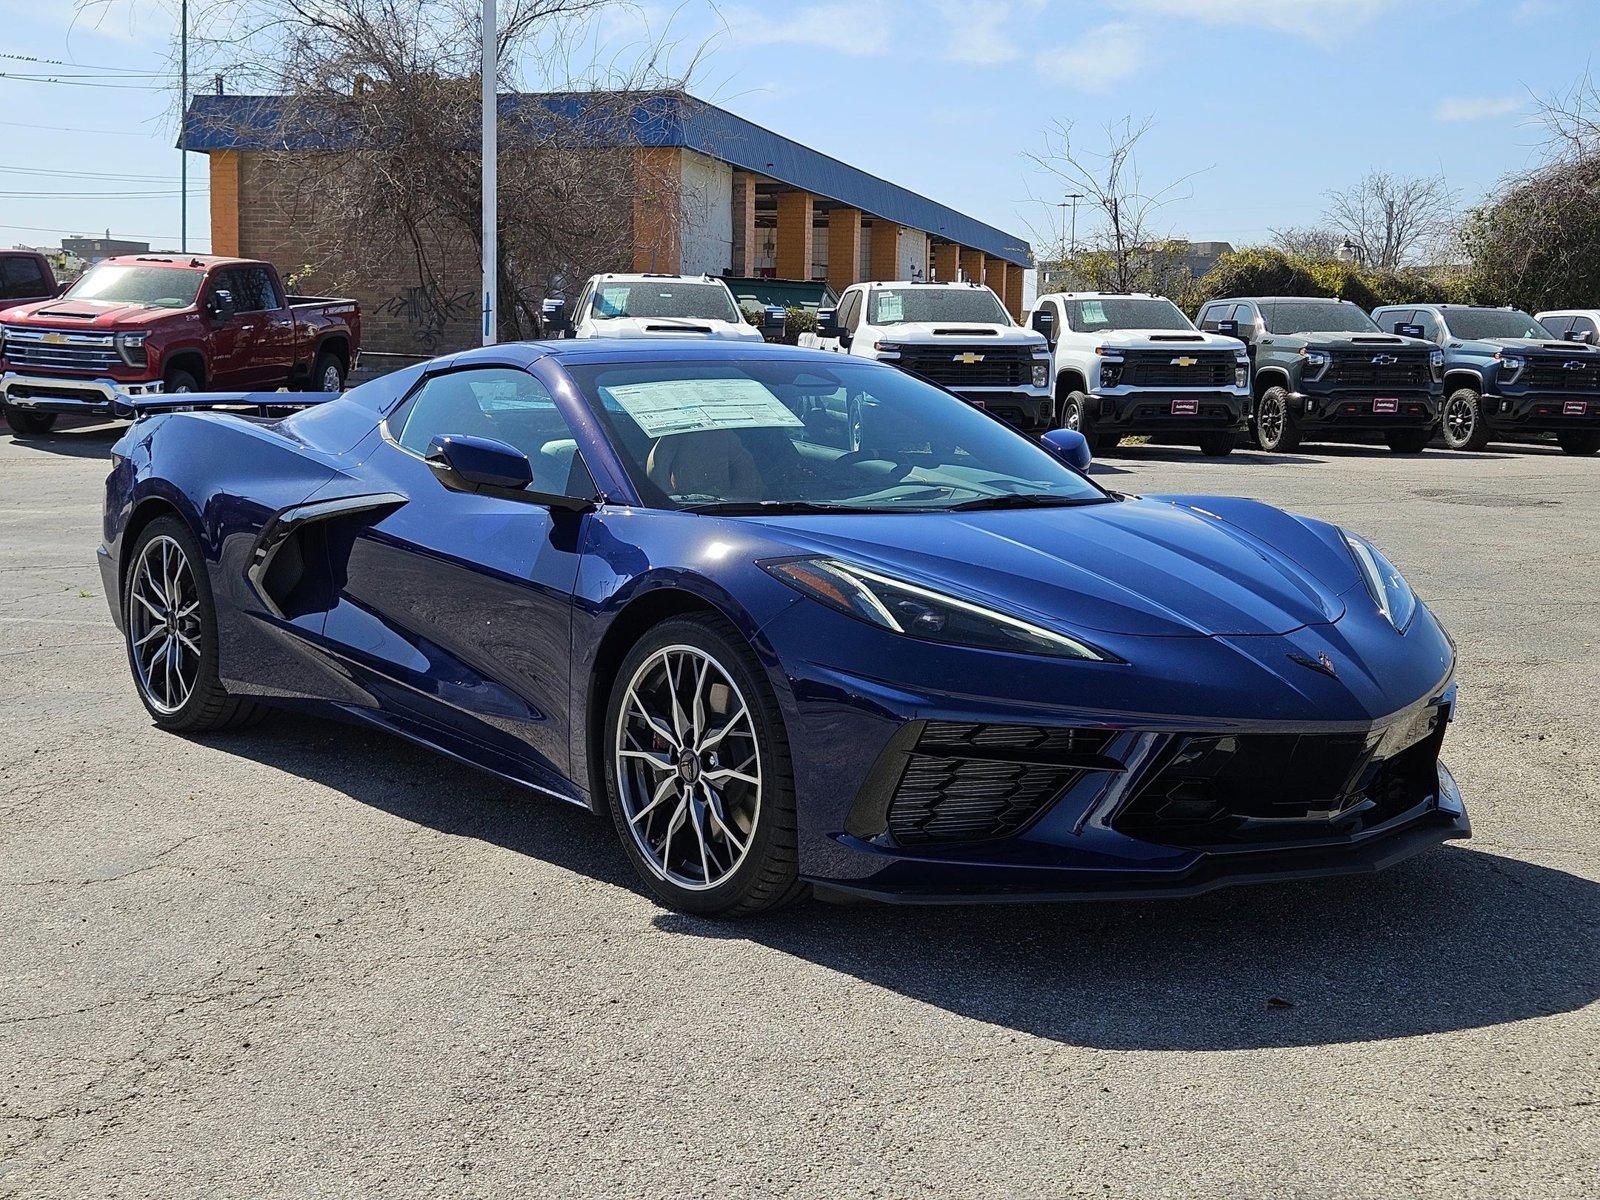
1367 368
1178 369
1553 375
54 349
989 366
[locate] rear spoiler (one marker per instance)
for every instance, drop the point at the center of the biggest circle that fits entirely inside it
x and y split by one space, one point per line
263 403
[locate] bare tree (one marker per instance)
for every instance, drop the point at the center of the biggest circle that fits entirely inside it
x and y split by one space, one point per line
1120 250
1572 120
1387 219
1309 241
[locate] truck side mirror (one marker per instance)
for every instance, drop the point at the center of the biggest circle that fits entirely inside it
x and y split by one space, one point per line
828 323
1070 446
556 320
1577 335
774 320
1044 321
1228 328
221 306
1407 329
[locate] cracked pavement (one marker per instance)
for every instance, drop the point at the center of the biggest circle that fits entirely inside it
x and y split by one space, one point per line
309 960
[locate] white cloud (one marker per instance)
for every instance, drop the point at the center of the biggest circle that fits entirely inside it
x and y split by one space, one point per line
1098 59
984 35
1317 20
1476 108
858 29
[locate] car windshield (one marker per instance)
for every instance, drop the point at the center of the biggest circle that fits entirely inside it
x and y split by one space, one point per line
663 298
150 287
893 306
1493 323
1316 317
753 435
1120 312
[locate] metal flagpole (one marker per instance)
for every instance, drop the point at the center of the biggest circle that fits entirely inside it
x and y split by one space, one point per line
491 183
183 107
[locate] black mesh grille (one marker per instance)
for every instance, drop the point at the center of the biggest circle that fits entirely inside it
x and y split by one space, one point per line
970 366
1045 740
967 799
1549 375
1178 368
1366 369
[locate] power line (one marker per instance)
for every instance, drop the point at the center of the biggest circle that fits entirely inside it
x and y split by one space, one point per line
78 231
57 62
115 87
141 195
14 170
72 129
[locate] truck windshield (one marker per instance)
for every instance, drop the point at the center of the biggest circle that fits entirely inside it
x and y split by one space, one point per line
663 298
892 306
1314 317
149 287
1493 323
1121 312
756 435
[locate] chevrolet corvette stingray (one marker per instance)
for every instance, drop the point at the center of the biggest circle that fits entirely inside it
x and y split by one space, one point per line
796 621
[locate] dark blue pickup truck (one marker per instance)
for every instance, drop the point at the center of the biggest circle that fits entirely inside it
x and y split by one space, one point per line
1506 376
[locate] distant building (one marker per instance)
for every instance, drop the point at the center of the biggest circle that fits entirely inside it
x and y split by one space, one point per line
1197 258
93 249
1202 256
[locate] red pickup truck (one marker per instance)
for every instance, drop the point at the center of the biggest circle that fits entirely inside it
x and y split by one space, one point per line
25 276
149 323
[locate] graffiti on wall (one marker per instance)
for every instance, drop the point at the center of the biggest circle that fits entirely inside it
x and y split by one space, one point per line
429 312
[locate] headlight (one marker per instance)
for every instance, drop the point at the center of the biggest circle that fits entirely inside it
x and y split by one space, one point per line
887 348
1241 368
1436 364
1041 373
1316 362
130 348
913 611
1510 366
1388 588
1111 362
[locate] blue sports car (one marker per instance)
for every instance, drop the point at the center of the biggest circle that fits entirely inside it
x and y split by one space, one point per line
795 620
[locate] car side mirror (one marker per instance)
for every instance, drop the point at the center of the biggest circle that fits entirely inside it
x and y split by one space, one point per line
1044 321
221 305
828 323
464 462
1228 328
774 321
556 318
1577 335
63 288
1406 329
1070 446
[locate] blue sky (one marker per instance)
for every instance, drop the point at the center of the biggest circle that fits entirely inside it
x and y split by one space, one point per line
1267 103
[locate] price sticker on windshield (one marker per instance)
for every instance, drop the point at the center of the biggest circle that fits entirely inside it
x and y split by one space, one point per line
665 407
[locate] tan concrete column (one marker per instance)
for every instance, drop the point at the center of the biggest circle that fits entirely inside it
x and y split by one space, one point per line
972 264
994 274
1013 296
844 247
794 235
947 262
658 209
885 258
744 224
225 167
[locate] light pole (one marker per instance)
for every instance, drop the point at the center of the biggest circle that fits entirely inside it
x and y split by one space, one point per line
1071 201
491 182
183 109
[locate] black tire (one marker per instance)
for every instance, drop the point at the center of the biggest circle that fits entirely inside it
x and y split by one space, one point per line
768 874
1462 425
208 705
1215 445
179 380
1075 415
1409 441
1579 441
29 424
327 374
1276 429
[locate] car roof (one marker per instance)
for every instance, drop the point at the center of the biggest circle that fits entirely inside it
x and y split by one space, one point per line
1278 300
604 350
176 260
655 277
922 283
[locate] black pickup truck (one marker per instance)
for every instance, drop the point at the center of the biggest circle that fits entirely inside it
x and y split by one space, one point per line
1322 371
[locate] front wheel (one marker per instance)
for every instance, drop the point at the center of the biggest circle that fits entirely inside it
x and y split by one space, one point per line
1215 445
179 381
1408 441
1463 426
1276 428
29 424
698 774
1075 416
1579 441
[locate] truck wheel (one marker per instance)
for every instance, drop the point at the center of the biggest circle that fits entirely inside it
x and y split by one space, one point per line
1463 426
327 375
179 381
1074 416
1579 441
1408 441
29 424
1276 428
1215 445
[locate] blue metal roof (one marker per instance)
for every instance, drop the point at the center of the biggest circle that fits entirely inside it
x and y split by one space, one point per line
664 119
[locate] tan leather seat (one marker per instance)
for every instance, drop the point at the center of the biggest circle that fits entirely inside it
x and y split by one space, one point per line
709 463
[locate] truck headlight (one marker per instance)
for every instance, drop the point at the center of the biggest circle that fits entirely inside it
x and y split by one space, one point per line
1316 363
1436 364
887 349
1111 363
1041 372
1511 366
130 348
913 611
1387 587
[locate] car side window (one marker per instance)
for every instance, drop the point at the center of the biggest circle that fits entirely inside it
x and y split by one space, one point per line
21 277
1583 325
1245 315
505 404
1391 319
1559 326
852 316
252 289
1210 314
1432 329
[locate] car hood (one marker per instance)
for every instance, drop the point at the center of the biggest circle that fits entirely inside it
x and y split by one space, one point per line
1360 341
962 332
63 312
1154 567
679 327
1176 340
1534 345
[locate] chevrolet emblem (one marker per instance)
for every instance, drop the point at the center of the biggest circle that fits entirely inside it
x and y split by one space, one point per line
968 358
54 339
1185 361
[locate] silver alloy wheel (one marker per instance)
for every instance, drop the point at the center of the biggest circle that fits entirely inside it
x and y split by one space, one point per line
164 625
688 768
330 378
1460 419
1074 419
1270 421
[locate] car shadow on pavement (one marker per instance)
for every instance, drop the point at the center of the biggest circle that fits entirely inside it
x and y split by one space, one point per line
1454 939
82 440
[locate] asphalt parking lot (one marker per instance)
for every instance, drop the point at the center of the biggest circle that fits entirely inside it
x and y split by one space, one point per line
309 960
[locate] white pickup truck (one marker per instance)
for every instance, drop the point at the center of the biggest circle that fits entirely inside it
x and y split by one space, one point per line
957 335
1132 363
650 306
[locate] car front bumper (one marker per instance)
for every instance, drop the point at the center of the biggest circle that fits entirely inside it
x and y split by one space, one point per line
1363 411
1175 412
1030 408
1541 412
67 395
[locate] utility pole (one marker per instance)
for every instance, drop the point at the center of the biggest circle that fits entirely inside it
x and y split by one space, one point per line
491 182
1072 245
183 109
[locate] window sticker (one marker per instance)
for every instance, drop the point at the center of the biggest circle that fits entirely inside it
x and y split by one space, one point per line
891 308
1094 312
612 301
670 406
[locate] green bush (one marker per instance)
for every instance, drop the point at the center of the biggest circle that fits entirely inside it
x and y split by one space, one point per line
752 314
797 321
1266 271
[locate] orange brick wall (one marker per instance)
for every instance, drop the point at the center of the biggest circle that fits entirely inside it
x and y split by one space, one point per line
744 224
657 217
946 261
225 202
1013 296
885 251
972 264
994 274
844 247
794 235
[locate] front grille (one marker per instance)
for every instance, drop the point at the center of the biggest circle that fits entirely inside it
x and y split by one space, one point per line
970 782
61 350
990 366
1362 369
1550 375
1177 369
1215 791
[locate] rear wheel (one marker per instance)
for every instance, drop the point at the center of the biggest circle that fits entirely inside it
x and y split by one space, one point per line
698 774
1579 441
1215 445
327 375
170 629
1276 428
29 424
1408 441
1463 427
